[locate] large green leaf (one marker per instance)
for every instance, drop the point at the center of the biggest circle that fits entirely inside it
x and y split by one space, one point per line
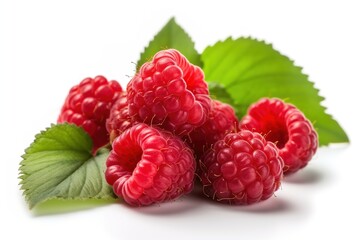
59 164
250 69
171 36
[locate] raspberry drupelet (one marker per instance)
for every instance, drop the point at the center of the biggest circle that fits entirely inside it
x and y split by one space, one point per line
119 119
221 120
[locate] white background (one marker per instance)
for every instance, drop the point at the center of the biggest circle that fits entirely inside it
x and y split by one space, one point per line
48 46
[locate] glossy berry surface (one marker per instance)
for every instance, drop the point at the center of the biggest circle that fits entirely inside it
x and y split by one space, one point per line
88 106
242 168
169 92
287 127
221 121
147 166
119 119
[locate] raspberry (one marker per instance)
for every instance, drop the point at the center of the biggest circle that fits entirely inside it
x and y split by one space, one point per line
119 119
148 166
287 127
88 105
222 120
169 92
242 168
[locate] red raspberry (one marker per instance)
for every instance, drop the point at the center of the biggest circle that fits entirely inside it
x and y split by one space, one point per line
119 119
88 105
149 166
169 92
222 120
242 168
287 127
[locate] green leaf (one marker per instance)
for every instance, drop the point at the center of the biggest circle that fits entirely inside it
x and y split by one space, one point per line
171 36
218 92
250 69
59 164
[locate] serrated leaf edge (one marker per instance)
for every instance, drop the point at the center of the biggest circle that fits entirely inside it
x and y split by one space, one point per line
322 98
22 176
172 19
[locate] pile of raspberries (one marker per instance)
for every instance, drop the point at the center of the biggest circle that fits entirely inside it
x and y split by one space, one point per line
165 129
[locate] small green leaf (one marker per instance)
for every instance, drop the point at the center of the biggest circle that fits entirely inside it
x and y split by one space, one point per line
59 164
218 92
171 36
250 69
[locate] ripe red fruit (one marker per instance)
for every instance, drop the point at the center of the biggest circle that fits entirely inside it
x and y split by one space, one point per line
287 127
221 120
119 119
169 92
88 106
149 166
242 168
